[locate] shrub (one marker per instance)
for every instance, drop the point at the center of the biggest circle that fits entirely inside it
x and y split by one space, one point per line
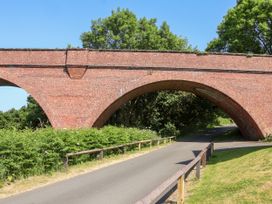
268 138
25 153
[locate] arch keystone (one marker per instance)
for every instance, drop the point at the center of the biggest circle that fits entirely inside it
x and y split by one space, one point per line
76 72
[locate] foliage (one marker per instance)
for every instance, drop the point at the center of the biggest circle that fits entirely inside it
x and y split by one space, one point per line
25 153
247 28
122 30
268 138
235 176
167 112
29 116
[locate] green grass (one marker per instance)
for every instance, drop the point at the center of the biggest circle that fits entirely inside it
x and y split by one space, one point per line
221 121
235 176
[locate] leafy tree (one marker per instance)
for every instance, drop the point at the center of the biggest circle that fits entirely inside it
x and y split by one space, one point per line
13 119
35 116
29 116
122 30
167 112
246 28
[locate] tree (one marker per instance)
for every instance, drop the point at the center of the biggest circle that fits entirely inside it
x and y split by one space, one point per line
167 112
122 30
35 116
247 28
29 116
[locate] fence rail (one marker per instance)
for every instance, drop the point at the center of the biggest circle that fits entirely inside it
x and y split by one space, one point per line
124 146
178 180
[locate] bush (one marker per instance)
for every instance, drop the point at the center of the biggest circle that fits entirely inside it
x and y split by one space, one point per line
25 153
268 138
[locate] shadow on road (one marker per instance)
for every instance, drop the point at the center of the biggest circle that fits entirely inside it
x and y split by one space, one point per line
225 133
184 162
226 138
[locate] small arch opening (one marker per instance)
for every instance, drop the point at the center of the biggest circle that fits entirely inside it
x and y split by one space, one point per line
18 109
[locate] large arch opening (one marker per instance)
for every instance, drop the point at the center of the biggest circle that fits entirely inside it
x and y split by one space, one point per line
21 109
237 113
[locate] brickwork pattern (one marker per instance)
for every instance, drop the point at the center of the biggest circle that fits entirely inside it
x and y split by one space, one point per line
82 88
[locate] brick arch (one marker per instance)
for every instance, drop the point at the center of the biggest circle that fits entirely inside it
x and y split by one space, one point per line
240 116
80 88
16 83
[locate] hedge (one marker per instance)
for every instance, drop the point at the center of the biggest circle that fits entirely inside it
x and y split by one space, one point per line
27 153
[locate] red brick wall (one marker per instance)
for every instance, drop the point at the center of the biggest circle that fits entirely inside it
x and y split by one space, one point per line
99 82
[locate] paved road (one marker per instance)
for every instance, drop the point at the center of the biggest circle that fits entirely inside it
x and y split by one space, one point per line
122 183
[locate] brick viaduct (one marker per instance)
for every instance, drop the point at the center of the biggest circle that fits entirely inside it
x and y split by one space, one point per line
82 88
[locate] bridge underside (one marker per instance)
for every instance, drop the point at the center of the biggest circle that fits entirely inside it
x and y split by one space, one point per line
6 83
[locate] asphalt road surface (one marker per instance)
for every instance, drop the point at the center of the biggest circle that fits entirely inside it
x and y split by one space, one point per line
125 182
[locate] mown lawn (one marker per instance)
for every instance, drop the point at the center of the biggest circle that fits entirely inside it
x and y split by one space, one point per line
235 176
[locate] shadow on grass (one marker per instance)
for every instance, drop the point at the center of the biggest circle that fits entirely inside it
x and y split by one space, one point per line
236 152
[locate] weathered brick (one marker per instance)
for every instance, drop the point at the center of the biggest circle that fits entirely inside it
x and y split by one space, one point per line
83 88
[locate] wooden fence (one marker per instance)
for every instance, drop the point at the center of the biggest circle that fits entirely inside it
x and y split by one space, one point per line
124 147
177 181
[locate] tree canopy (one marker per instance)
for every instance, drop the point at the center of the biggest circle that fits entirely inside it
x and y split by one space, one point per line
29 116
247 28
122 30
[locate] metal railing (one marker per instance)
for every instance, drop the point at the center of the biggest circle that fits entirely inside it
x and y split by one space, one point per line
161 193
101 151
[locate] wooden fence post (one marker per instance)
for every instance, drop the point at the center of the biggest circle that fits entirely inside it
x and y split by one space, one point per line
139 146
124 149
158 142
212 148
204 159
150 144
198 170
101 154
208 155
181 190
66 160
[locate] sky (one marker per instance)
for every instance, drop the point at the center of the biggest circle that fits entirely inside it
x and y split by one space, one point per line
57 23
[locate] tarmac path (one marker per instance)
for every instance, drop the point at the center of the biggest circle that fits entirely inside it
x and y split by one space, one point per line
128 181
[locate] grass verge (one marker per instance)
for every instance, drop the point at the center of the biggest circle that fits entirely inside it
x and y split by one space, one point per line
235 176
11 188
